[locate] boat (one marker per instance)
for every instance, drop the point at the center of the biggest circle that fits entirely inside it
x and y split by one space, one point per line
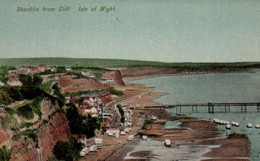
228 126
249 125
167 142
144 137
257 126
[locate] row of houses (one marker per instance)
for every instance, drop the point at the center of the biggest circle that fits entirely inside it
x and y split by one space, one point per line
91 104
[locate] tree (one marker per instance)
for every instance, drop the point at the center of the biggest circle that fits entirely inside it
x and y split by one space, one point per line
27 80
61 69
5 153
37 80
81 124
5 98
67 151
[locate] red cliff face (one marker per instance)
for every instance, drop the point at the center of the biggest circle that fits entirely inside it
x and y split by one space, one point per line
56 130
115 76
24 150
5 132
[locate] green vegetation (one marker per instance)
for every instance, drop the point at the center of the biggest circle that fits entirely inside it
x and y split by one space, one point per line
67 151
3 123
115 91
5 153
30 81
32 134
76 62
81 124
26 112
61 69
46 86
146 122
122 113
4 72
61 98
73 94
5 98
26 124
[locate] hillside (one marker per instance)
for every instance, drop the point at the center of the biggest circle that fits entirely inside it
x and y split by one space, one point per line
89 62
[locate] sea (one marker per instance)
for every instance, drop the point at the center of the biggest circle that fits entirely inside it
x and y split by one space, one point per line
204 88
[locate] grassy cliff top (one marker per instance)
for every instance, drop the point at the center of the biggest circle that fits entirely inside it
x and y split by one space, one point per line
89 62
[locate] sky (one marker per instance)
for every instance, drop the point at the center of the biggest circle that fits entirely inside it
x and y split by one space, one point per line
167 31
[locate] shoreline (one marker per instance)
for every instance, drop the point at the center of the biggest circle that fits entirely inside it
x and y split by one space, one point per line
192 131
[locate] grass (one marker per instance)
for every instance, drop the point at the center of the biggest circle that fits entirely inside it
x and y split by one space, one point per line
88 62
46 86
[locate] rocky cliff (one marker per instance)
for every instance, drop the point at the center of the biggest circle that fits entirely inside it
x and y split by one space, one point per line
5 132
57 129
115 76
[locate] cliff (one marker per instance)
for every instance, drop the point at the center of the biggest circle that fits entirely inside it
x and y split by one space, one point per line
5 132
57 129
115 76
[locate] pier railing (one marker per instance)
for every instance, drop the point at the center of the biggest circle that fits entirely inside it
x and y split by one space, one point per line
210 105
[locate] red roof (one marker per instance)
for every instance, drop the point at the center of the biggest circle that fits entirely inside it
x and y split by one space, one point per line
78 136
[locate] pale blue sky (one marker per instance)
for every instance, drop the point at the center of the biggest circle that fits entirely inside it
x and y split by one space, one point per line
168 30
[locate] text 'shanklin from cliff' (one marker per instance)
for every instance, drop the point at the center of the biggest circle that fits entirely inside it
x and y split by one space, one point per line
105 9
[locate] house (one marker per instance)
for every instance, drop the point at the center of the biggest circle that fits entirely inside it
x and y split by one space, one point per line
107 81
91 109
42 67
33 70
81 138
23 70
51 68
112 131
86 73
14 83
68 69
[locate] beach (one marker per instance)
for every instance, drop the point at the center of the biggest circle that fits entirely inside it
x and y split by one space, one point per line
192 131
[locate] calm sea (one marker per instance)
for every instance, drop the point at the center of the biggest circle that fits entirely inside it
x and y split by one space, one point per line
202 88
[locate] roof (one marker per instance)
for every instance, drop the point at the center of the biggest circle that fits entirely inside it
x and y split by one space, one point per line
79 136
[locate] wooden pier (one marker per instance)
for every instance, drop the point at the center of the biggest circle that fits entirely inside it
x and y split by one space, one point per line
211 106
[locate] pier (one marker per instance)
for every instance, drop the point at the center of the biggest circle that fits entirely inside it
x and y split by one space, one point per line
210 105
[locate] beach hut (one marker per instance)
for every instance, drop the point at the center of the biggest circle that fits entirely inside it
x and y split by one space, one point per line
130 137
98 142
84 151
122 132
93 148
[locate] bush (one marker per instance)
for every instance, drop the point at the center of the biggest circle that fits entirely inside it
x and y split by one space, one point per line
146 122
25 111
67 151
115 91
5 153
122 113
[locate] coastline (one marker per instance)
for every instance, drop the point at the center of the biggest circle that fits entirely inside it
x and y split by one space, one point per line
192 131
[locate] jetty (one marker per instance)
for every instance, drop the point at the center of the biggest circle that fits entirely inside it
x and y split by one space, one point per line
210 105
